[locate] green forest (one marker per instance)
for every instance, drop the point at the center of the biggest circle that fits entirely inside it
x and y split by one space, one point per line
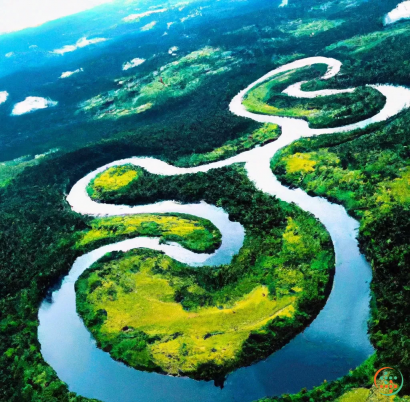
367 171
320 112
280 278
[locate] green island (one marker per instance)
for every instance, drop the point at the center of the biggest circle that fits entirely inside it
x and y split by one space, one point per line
320 112
156 314
193 233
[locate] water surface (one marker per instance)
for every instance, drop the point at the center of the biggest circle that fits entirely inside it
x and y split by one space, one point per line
335 342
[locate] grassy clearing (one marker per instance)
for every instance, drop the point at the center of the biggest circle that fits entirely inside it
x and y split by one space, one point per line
300 28
322 172
364 43
301 163
193 233
355 395
263 135
157 314
368 395
328 111
178 78
179 340
256 99
113 179
145 301
10 169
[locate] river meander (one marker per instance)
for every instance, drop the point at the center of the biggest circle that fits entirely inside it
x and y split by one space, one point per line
336 340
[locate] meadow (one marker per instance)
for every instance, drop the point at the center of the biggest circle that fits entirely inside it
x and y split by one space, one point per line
181 77
195 234
39 233
203 322
320 112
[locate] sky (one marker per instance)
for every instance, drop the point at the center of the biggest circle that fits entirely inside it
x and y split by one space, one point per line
16 15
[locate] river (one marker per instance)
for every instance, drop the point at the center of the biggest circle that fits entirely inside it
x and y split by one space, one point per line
336 340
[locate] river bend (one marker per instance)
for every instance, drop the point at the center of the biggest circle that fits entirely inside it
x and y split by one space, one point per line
336 340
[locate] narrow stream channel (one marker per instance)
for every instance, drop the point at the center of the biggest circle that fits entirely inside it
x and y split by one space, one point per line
335 342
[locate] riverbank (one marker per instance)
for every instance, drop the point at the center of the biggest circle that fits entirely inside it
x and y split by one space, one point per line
354 298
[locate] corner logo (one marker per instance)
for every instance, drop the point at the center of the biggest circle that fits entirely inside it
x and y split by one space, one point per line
388 381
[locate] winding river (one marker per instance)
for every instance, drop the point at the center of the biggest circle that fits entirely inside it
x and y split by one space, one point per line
335 342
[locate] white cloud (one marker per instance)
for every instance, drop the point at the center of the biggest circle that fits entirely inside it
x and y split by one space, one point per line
197 13
70 73
149 26
9 54
83 42
173 50
30 104
137 17
3 96
181 4
402 11
19 14
133 63
284 3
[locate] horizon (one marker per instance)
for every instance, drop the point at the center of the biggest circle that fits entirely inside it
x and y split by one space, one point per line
35 14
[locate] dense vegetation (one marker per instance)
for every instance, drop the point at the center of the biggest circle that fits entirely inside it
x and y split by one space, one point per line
273 287
38 230
320 112
176 79
260 40
193 233
112 179
354 387
261 136
368 172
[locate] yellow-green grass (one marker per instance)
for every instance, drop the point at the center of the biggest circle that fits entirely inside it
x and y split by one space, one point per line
299 28
162 315
193 233
300 163
355 395
186 341
266 133
113 179
362 43
368 395
255 100
397 190
9 171
178 78
323 169
320 112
